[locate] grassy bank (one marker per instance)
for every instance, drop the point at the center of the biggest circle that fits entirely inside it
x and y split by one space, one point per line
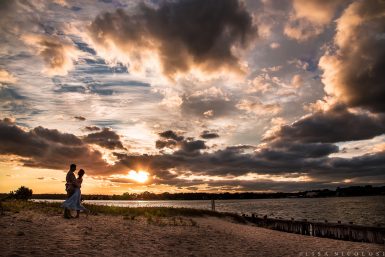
126 212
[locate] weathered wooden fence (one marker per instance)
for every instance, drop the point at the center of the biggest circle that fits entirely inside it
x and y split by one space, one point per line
349 232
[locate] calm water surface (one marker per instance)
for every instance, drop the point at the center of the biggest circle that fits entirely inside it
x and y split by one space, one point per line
366 210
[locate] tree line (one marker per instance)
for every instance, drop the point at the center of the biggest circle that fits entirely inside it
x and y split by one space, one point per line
346 191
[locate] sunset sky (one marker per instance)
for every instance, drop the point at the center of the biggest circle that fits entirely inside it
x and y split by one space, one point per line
192 95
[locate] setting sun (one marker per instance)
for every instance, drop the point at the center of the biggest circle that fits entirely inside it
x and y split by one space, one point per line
139 176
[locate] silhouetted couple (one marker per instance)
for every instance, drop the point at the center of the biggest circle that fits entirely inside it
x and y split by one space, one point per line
74 195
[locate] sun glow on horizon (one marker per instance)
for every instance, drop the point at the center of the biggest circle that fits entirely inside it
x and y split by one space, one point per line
139 176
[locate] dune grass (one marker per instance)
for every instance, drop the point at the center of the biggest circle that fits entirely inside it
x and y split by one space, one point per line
126 212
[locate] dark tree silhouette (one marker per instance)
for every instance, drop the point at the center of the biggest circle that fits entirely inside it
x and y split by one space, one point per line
22 193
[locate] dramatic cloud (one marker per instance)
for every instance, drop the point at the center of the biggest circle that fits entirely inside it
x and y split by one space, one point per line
309 18
105 138
184 35
59 55
81 118
243 113
316 11
24 28
54 135
182 144
16 17
278 159
46 148
169 134
192 146
334 125
354 72
209 135
160 144
92 128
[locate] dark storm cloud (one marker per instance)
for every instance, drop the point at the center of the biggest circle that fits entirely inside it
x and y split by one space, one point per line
366 166
368 161
81 118
160 144
16 141
184 33
278 157
192 145
92 128
209 135
355 71
54 135
45 148
105 138
334 125
288 151
231 160
169 134
310 160
183 145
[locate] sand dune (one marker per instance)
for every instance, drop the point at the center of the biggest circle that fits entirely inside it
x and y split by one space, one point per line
30 233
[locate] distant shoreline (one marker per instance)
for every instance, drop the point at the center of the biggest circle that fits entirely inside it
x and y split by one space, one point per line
90 197
367 190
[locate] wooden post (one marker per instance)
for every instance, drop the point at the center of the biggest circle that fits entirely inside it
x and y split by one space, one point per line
212 204
338 230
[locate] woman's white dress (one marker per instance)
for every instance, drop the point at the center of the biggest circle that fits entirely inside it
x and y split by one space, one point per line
74 201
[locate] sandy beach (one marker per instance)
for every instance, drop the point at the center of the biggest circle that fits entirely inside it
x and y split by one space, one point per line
34 233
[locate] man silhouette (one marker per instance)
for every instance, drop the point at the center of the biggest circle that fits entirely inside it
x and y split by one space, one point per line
70 187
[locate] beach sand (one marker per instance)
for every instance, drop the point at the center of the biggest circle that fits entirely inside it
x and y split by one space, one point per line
33 233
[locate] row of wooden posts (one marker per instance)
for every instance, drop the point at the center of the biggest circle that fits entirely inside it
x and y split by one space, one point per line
349 232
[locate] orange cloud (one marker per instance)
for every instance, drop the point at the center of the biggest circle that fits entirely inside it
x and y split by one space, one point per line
309 18
354 72
6 77
296 81
58 54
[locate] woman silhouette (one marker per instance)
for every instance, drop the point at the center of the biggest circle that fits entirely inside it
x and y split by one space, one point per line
74 202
